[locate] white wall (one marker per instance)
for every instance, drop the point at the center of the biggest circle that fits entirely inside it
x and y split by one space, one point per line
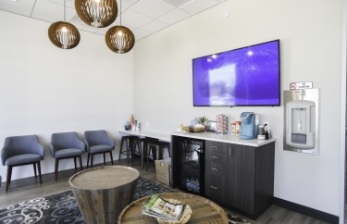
45 89
311 36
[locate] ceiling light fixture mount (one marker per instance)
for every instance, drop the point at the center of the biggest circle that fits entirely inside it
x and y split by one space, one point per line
63 34
97 13
120 39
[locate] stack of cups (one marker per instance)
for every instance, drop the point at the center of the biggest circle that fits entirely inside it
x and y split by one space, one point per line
222 124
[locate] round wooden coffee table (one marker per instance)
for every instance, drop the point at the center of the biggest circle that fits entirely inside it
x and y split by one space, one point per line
203 210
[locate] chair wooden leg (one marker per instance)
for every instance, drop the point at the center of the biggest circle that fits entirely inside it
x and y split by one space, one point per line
88 158
34 165
39 169
91 160
9 174
74 159
56 168
111 156
81 162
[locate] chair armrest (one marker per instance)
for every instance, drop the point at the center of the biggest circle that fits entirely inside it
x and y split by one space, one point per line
52 149
111 142
40 149
87 146
79 144
5 153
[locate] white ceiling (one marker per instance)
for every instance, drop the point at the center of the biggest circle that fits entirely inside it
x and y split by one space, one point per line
142 17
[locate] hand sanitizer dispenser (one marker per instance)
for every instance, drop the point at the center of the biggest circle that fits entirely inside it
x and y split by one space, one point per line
300 124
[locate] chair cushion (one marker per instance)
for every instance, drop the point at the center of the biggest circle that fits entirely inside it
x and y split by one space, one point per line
22 159
100 148
65 153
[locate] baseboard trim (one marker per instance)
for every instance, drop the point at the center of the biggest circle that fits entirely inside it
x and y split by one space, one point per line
333 219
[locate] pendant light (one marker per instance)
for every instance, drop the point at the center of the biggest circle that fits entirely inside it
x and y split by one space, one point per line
97 13
63 34
120 39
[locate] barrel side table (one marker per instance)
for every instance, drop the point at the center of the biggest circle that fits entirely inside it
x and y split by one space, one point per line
103 192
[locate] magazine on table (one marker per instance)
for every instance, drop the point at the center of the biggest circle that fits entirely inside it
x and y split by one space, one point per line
158 207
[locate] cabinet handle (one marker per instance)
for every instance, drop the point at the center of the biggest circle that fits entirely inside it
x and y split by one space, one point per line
214 157
215 169
230 151
216 188
215 147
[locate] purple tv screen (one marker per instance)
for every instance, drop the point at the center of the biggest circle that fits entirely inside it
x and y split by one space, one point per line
248 76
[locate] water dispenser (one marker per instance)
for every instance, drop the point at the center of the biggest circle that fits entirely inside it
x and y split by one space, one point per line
301 120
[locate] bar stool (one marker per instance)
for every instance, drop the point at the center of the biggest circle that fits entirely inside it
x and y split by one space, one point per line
129 147
157 148
140 146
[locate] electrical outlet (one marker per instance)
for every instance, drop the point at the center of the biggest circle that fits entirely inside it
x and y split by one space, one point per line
147 123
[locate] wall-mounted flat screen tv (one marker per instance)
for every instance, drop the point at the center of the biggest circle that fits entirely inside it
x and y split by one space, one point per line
247 76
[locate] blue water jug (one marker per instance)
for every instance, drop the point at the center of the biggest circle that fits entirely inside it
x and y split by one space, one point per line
248 128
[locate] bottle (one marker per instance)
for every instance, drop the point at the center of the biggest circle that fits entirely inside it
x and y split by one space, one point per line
132 120
233 128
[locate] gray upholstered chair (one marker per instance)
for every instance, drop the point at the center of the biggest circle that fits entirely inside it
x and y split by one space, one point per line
22 150
66 145
98 142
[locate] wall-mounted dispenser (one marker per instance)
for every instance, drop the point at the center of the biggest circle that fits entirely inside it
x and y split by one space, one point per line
300 124
301 120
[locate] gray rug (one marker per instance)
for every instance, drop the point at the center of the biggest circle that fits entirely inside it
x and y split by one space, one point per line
62 208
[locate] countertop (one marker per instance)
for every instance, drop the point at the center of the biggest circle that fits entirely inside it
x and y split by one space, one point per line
226 138
210 136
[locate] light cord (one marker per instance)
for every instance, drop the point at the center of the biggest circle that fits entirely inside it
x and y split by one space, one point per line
64 10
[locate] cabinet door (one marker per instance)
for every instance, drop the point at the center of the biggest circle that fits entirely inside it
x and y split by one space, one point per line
240 177
215 171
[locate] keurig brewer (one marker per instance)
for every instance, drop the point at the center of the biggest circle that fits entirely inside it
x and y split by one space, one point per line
248 125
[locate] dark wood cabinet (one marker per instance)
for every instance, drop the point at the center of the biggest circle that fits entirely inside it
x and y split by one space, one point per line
240 177
237 174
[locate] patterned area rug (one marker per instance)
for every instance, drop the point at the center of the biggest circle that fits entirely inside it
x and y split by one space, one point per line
62 208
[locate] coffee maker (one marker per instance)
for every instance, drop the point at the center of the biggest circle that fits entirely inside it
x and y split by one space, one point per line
249 125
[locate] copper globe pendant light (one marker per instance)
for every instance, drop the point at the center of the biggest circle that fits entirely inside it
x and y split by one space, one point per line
120 39
97 13
63 34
